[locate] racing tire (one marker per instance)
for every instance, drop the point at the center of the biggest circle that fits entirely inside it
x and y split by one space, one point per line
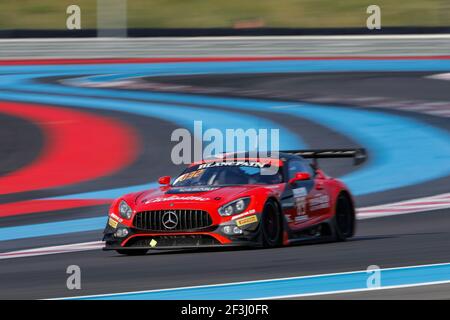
343 221
271 227
135 252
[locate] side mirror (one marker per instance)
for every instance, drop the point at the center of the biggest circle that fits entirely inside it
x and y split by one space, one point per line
300 176
164 180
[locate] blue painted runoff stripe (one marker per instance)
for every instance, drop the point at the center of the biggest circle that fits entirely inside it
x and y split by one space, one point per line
298 286
52 228
239 67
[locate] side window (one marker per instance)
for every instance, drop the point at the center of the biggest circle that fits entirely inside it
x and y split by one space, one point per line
299 166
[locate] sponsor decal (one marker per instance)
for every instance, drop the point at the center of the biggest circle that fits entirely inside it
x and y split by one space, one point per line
247 220
116 217
321 201
175 198
243 214
153 243
301 218
113 223
300 204
235 164
191 189
300 192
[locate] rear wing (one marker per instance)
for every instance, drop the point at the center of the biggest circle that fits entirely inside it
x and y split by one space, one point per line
359 155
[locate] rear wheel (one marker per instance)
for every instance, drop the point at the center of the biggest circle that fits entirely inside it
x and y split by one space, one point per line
271 225
134 252
344 219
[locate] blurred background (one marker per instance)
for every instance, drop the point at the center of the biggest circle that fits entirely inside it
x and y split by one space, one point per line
46 14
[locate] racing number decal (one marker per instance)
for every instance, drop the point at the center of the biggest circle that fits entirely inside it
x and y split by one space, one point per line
190 175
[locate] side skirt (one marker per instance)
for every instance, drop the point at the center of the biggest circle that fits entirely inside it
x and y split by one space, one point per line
323 232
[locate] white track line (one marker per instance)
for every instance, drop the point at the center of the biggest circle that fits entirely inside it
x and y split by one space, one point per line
424 284
76 247
437 202
440 76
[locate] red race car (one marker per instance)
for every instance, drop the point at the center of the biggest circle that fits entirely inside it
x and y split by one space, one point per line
232 202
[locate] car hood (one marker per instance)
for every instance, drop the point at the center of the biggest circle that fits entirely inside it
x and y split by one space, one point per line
192 195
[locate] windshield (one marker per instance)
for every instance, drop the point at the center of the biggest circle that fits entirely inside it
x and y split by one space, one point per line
226 173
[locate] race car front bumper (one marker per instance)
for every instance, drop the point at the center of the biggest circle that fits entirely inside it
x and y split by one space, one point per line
213 236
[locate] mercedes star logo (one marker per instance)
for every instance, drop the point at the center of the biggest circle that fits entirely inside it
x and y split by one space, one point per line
170 220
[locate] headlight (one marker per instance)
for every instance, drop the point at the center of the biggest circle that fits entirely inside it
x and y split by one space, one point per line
234 207
125 210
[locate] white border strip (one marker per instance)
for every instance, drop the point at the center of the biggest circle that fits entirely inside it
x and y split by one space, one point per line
234 38
442 201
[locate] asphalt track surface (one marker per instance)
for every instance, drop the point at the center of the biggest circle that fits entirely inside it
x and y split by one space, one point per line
411 239
388 242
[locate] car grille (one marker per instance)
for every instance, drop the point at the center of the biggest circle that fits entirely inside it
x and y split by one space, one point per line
156 220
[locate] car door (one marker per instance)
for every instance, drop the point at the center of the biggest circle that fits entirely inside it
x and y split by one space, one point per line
298 194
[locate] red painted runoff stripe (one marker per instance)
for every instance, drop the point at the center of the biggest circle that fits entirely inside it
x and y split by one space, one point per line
78 146
62 61
34 206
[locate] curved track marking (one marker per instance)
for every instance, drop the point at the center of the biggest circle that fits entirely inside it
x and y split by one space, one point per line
394 142
391 159
93 245
182 115
67 158
24 81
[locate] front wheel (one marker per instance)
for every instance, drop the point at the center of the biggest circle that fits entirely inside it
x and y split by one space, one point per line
134 252
271 225
344 220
